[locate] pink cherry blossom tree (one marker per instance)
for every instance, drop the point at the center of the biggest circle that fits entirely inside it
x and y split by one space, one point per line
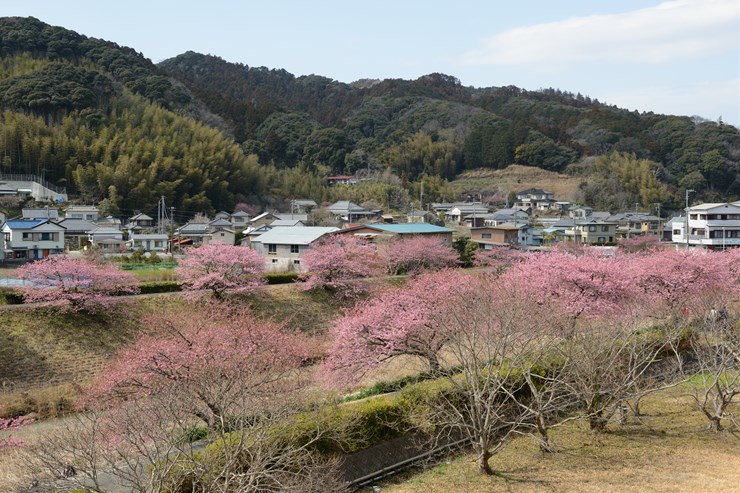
585 285
406 320
640 244
216 361
221 268
499 258
416 254
337 262
677 283
75 284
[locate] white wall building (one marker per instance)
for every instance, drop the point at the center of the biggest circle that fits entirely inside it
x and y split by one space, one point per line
26 239
713 226
283 247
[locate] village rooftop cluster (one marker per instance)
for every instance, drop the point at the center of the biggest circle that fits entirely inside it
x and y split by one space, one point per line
536 220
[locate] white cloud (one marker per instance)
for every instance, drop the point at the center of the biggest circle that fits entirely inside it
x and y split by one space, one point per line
673 30
709 100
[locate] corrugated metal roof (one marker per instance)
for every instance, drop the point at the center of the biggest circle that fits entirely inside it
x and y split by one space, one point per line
413 228
302 235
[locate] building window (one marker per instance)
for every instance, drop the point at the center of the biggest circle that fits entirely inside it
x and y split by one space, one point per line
592 229
7 237
27 236
486 236
676 231
294 248
272 249
274 261
20 254
605 229
296 262
601 239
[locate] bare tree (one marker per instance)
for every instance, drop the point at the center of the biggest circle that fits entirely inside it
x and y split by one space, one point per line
606 363
487 346
716 349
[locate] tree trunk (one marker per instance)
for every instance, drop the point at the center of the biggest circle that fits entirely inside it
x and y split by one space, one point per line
434 365
545 446
622 412
596 423
483 466
714 424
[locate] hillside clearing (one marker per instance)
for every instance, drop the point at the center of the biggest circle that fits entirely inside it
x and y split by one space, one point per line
516 178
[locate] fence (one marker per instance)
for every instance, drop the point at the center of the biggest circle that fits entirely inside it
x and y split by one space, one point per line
37 179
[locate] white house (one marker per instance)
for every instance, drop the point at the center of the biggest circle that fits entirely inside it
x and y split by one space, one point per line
148 242
283 247
25 239
535 198
713 226
86 212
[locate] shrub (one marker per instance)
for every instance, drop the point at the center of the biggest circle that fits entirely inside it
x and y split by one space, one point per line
152 287
280 277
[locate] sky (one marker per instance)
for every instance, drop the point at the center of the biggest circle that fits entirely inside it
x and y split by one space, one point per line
678 57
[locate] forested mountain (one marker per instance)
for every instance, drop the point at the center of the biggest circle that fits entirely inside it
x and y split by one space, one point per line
206 133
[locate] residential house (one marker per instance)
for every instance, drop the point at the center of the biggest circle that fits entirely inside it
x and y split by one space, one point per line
220 231
460 212
192 233
26 239
77 232
263 219
251 233
109 222
349 212
534 199
489 236
107 239
387 231
87 212
149 242
292 216
421 217
40 213
505 216
239 220
588 231
139 223
714 226
583 212
672 224
630 224
303 205
287 223
284 247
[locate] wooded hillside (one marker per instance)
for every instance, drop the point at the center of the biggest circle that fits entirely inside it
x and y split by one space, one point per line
109 124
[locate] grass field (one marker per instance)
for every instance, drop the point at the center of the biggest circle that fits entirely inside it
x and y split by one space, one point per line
667 451
514 179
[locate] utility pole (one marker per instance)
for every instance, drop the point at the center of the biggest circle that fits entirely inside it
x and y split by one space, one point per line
172 235
687 217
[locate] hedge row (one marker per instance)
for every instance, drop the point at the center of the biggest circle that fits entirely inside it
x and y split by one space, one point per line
151 287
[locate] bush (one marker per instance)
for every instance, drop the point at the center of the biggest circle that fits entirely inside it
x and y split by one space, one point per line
152 287
280 277
10 296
